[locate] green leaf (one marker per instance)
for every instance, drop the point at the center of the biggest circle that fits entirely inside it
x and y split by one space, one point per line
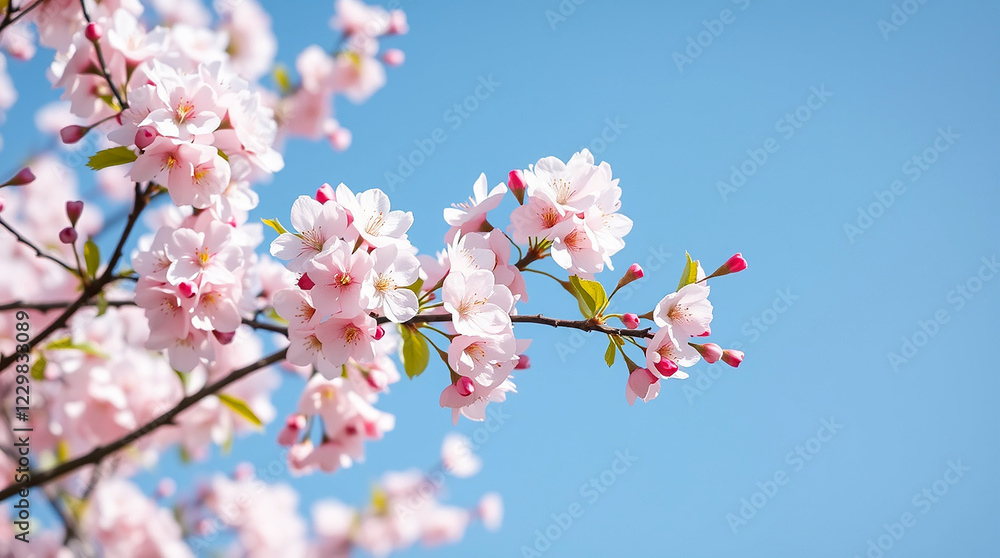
240 407
609 355
92 256
274 224
184 455
67 343
38 369
415 287
223 155
690 274
590 295
102 304
62 451
414 352
111 157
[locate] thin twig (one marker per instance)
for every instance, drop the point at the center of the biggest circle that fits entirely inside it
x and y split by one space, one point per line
122 105
38 251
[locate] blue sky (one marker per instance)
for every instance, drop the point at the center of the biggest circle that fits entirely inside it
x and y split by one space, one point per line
853 435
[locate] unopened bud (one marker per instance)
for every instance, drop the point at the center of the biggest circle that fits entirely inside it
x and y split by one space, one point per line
709 351
224 337
732 357
325 193
393 57
144 136
293 427
523 362
379 332
465 386
631 321
397 23
733 265
515 181
67 235
73 133
633 272
93 32
73 210
187 289
23 176
666 367
305 283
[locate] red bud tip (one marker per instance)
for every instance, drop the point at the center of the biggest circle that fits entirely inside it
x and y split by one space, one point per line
515 181
631 321
732 357
67 235
350 217
73 133
706 333
187 289
636 269
73 210
305 283
523 362
633 272
734 264
393 57
93 32
224 338
465 386
144 136
290 433
379 332
325 193
710 351
666 367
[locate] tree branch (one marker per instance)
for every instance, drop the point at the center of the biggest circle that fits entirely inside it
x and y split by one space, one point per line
38 251
99 453
11 10
122 105
96 286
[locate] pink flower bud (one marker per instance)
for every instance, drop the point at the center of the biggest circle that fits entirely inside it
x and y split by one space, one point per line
631 321
144 136
515 181
325 193
305 283
224 337
393 57
733 265
73 133
379 332
73 210
93 32
732 357
377 379
340 139
465 386
706 333
666 367
431 297
633 272
640 381
710 351
23 176
523 362
67 235
166 488
187 289
293 427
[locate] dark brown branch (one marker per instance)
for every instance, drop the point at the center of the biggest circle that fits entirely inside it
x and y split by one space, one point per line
99 453
38 251
9 17
94 287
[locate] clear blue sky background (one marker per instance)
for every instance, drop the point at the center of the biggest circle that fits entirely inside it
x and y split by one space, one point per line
823 356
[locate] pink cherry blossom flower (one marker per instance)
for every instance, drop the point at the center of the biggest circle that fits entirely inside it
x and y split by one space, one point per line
346 338
295 306
457 457
576 251
566 185
207 256
317 224
642 384
687 311
470 217
665 346
540 217
476 304
193 174
191 109
480 357
386 289
338 276
372 216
